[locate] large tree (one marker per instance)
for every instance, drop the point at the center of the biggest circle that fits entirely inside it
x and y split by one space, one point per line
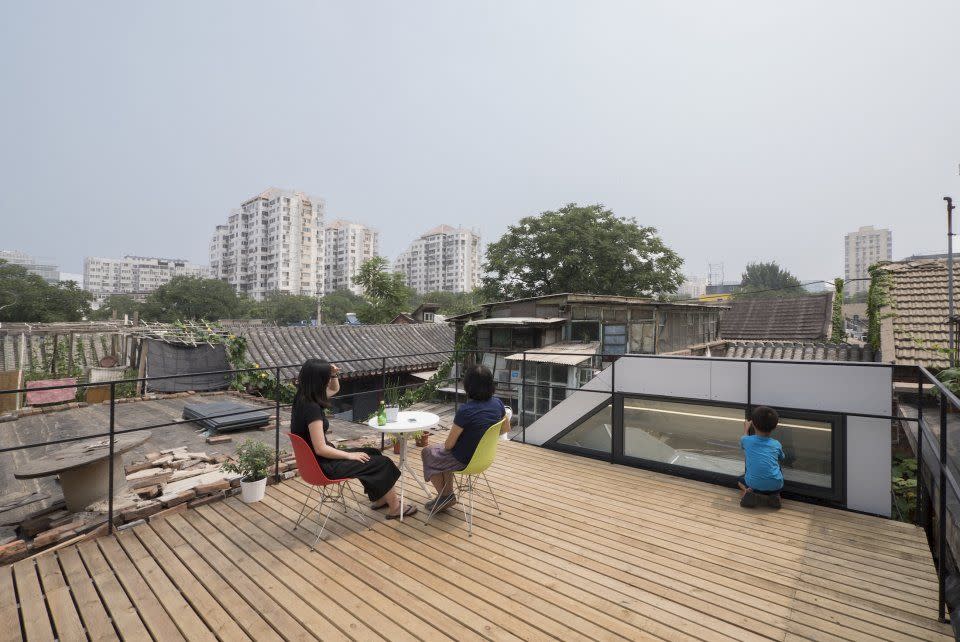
580 249
385 291
284 308
335 306
187 298
768 279
27 297
451 302
119 304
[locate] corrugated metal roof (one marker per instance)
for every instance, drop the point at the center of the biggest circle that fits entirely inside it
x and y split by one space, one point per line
518 321
796 350
570 353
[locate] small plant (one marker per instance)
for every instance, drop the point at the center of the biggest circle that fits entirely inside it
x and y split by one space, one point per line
392 394
397 441
951 379
421 438
252 460
904 480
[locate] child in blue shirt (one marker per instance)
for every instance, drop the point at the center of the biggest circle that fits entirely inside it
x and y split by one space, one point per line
762 454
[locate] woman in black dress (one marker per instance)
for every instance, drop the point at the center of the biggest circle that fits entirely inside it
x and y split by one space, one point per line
319 380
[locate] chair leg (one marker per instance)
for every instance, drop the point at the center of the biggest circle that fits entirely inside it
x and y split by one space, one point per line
353 493
324 497
490 488
304 507
470 513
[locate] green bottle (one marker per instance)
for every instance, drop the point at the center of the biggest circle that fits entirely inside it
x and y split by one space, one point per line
382 415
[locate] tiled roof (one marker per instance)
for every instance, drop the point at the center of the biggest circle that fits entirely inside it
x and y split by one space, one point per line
797 350
803 318
271 346
88 347
918 298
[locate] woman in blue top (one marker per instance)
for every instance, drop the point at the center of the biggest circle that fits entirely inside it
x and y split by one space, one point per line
469 425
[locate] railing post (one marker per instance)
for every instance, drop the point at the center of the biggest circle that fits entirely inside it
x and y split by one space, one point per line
276 418
749 388
919 509
383 392
456 379
113 427
613 411
523 398
942 517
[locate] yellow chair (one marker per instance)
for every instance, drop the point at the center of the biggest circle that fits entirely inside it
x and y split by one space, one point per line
479 463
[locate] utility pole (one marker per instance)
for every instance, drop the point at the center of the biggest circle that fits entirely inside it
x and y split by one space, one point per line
950 319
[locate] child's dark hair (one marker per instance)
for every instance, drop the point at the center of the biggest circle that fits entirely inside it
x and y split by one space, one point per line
764 419
478 383
312 382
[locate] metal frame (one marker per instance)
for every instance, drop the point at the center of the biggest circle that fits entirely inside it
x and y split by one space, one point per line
327 493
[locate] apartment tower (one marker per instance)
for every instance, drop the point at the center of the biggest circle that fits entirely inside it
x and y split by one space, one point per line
133 276
862 249
445 259
348 245
273 242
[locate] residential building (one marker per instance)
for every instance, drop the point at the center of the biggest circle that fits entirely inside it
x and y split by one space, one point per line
425 313
273 242
861 249
693 287
580 327
43 268
445 259
134 276
347 246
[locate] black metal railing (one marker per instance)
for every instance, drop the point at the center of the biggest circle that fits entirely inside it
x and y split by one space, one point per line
941 477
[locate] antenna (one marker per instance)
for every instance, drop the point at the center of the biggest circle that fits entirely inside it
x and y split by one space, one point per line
714 273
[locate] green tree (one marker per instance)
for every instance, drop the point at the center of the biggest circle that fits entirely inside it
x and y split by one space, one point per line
284 308
838 330
580 249
187 298
768 279
334 306
450 302
119 303
386 293
27 297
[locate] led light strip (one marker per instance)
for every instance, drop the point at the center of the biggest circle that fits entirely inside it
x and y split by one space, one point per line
693 414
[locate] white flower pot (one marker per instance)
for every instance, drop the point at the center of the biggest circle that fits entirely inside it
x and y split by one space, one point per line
392 412
253 491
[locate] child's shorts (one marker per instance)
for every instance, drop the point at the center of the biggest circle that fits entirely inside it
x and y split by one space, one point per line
743 480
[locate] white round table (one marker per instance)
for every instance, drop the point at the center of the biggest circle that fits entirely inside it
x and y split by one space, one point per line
408 421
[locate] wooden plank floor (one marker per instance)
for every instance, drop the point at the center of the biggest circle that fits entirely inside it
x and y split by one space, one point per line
582 550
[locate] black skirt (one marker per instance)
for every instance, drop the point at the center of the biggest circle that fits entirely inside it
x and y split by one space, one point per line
377 475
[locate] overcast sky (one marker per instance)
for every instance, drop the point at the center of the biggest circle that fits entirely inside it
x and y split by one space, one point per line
741 130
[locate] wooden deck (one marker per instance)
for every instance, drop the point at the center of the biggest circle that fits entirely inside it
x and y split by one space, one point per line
583 550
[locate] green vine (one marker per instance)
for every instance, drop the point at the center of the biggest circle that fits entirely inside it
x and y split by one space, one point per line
877 299
838 331
467 342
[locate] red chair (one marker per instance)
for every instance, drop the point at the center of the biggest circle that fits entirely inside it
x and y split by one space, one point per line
311 473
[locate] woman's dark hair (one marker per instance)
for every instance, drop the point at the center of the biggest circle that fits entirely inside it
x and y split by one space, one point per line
312 382
478 383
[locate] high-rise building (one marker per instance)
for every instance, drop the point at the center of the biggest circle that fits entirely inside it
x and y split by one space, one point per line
43 268
273 242
134 276
861 249
693 287
348 245
445 259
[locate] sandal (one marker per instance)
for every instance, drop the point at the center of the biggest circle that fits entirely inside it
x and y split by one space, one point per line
407 512
376 506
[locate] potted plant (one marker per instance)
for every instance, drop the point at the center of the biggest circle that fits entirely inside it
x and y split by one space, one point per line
251 460
423 438
391 397
396 440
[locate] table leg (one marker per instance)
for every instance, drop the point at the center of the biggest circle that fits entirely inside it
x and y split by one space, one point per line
403 464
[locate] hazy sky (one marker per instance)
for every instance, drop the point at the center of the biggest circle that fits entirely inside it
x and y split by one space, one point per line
741 130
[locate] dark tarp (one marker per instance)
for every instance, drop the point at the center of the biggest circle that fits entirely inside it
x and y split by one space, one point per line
226 415
164 359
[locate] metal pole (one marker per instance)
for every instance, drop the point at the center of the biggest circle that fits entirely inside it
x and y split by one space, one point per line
383 391
456 379
276 418
613 409
113 425
919 509
523 398
942 521
953 358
